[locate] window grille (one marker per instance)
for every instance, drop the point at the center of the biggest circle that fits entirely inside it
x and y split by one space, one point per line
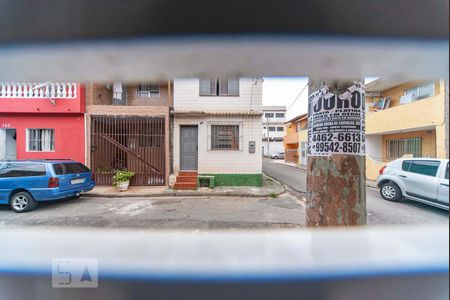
401 147
148 90
41 140
224 136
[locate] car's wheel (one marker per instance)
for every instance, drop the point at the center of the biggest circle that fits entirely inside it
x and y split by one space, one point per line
22 202
391 192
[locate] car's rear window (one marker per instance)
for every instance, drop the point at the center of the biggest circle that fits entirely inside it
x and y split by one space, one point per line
406 165
22 170
425 167
71 168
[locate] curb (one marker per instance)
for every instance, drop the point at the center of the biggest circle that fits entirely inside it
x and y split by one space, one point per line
185 194
371 185
177 194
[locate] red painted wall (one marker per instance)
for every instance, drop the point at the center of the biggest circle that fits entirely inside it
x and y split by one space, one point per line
69 134
36 105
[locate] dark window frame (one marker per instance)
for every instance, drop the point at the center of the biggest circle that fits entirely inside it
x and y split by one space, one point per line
219 140
219 87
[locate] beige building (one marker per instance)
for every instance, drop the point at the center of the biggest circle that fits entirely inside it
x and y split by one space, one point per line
403 118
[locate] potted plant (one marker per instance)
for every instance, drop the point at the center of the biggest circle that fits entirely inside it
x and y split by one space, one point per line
121 180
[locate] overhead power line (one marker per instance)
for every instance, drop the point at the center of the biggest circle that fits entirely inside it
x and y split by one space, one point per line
296 98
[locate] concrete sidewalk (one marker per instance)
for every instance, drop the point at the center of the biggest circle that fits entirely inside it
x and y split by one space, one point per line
270 188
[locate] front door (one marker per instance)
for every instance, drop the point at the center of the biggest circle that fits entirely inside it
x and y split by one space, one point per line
10 144
188 148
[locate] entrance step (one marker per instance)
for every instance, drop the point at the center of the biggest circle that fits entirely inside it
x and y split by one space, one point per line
186 180
185 185
187 173
191 179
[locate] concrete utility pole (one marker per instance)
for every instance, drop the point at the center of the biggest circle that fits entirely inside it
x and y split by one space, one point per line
336 184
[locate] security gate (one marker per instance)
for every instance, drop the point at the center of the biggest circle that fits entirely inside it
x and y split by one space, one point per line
129 143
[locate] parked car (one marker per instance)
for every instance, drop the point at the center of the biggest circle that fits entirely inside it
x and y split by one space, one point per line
24 183
419 179
279 155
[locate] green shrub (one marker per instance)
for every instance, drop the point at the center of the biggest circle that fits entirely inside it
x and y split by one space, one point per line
122 176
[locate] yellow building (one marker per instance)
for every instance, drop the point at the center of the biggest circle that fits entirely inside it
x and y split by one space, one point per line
295 139
403 119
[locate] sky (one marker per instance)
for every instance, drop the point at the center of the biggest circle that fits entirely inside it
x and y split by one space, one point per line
283 91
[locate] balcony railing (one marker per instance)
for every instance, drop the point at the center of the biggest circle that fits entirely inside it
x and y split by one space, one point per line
62 90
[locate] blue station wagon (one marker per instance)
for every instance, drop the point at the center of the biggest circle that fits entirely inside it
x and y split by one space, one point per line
23 183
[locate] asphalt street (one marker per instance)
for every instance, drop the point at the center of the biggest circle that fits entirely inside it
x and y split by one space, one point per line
379 211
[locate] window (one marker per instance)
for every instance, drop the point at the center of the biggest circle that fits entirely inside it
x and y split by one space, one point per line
398 148
280 129
406 165
425 167
421 91
446 172
297 127
22 170
268 115
148 90
71 168
279 115
272 128
219 87
41 140
225 137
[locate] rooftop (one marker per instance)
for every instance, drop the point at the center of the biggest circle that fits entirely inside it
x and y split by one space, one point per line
299 117
273 108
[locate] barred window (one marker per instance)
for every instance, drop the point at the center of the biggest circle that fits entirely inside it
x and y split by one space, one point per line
400 147
41 140
148 90
225 137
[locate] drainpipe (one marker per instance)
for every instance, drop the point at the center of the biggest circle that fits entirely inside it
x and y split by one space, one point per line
336 192
171 126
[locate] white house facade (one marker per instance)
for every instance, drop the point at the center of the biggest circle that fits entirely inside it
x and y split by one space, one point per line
273 120
217 130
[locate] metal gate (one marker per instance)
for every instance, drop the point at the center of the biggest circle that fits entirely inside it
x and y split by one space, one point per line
128 143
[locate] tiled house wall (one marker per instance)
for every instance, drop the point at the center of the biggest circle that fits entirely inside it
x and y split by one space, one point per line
223 161
187 97
192 109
